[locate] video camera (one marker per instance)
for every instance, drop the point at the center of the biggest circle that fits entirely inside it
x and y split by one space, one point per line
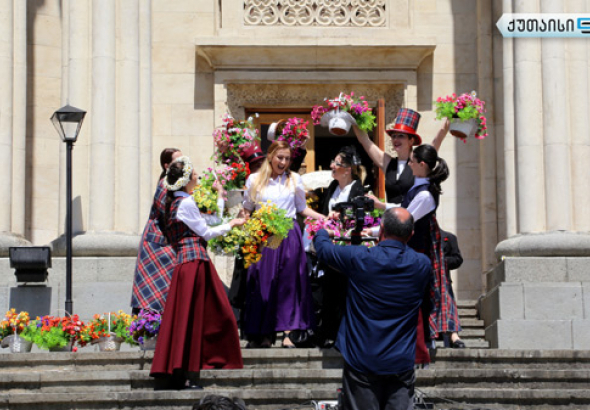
359 206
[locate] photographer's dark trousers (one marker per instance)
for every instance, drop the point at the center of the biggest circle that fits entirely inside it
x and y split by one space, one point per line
377 392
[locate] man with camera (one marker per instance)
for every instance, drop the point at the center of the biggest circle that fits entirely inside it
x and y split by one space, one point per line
377 337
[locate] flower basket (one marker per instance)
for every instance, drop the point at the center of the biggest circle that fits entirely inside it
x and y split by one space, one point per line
463 129
149 343
145 326
56 333
15 332
342 112
17 344
466 113
274 241
110 343
293 131
337 122
247 241
234 140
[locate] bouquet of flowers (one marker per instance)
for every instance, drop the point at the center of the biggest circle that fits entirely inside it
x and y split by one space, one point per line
56 332
234 175
293 131
105 325
206 197
356 108
145 324
267 226
233 138
466 107
15 324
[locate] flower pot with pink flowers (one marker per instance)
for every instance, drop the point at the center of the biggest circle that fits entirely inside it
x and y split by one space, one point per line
235 140
466 113
339 114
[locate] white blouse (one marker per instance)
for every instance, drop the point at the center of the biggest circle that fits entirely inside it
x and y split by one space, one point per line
339 195
289 197
421 205
188 212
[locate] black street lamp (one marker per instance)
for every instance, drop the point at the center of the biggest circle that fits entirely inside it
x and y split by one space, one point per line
68 121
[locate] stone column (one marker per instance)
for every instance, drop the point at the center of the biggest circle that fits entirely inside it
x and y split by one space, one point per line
146 182
101 236
19 130
128 118
6 108
102 148
7 112
508 134
541 280
528 114
578 89
555 129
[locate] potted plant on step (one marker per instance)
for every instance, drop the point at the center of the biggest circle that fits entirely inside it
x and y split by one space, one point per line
15 332
144 328
466 113
108 330
56 333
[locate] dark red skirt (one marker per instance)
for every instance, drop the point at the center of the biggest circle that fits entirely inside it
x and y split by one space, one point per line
198 329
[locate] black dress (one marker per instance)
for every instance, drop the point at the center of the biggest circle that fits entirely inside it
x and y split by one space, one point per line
329 287
395 188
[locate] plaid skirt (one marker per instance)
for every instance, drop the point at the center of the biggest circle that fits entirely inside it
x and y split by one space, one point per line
153 273
443 316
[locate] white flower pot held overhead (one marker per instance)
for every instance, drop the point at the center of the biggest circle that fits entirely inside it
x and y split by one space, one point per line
338 122
463 129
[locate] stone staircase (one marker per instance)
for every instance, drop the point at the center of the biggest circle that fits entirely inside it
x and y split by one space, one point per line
472 378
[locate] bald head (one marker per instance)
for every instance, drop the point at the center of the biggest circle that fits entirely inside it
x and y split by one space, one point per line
397 223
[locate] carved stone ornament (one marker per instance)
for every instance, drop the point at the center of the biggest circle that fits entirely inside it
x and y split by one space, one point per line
322 13
240 96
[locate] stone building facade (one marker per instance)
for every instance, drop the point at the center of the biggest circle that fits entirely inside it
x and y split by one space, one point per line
159 73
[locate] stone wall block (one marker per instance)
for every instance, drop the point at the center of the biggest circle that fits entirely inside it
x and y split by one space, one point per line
120 269
553 301
92 298
527 334
581 334
578 269
535 269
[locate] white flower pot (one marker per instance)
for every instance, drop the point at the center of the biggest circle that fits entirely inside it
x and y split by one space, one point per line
463 129
337 122
149 343
235 199
17 344
110 343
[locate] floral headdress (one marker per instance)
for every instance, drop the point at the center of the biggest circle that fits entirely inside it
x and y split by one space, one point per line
187 172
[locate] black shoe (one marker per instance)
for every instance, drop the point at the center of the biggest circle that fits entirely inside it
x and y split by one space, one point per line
193 386
458 344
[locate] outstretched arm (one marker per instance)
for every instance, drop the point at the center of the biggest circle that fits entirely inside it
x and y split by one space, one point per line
442 133
377 155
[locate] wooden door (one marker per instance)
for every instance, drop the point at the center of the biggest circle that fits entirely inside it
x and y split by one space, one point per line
264 120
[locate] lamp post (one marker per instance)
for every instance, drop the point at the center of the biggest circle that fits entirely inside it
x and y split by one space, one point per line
68 121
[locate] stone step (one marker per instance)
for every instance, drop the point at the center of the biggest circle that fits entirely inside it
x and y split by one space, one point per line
471 323
467 304
289 379
506 399
297 359
466 313
469 343
512 359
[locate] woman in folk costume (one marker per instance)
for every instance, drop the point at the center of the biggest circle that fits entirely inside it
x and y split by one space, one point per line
422 201
278 291
198 329
403 136
156 258
399 179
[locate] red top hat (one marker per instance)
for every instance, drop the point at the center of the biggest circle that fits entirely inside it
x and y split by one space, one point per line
252 154
406 122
